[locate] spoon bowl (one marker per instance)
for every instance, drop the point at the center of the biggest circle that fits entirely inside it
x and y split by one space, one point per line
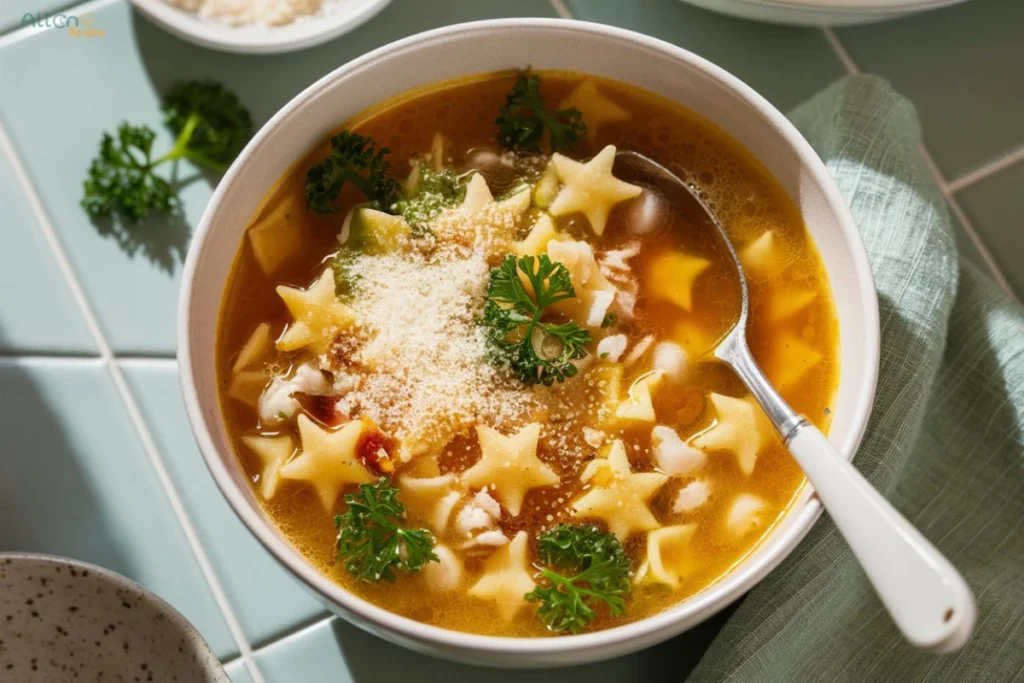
926 596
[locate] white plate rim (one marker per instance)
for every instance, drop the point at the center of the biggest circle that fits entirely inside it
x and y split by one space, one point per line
301 34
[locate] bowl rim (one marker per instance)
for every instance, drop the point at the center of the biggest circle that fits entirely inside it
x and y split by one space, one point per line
303 33
600 644
852 7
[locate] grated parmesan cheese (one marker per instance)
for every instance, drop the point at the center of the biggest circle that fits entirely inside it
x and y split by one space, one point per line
423 356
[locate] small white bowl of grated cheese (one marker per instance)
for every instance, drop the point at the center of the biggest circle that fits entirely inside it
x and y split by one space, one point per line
259 26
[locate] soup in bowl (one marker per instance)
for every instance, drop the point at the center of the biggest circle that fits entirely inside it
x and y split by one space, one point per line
451 366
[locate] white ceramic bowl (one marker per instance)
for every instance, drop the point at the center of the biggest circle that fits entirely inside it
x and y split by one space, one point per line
817 12
342 17
68 620
486 47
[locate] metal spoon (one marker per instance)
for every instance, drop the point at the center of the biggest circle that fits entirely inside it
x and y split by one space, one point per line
926 596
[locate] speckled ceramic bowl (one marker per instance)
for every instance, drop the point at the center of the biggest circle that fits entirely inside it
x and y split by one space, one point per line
63 620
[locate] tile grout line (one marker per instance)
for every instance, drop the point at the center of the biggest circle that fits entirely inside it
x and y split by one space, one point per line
987 170
295 633
148 444
944 186
561 9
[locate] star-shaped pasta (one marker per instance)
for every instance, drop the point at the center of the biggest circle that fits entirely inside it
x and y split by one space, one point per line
789 359
273 451
763 257
637 407
590 188
479 197
619 496
317 315
328 459
254 348
597 108
594 293
669 555
435 496
740 428
247 386
506 579
536 243
510 465
604 392
785 303
689 333
671 276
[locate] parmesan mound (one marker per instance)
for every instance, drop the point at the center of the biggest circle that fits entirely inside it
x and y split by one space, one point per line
240 12
422 353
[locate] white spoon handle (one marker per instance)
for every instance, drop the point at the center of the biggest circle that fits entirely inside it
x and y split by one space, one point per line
926 596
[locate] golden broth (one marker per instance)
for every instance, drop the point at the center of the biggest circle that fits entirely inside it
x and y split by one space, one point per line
748 201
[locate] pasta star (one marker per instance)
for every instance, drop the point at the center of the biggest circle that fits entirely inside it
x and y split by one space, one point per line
788 302
273 451
789 359
254 349
536 243
590 188
763 257
511 464
478 197
506 579
638 406
668 555
740 428
594 293
435 497
597 107
672 275
619 495
328 460
317 315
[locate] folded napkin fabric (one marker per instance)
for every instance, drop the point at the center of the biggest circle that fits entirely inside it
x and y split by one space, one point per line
945 442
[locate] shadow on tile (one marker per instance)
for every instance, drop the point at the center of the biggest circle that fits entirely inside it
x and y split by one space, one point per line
373 660
161 240
71 521
75 482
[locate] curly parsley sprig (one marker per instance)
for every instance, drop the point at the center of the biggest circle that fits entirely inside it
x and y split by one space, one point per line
356 160
537 351
372 540
586 567
523 119
212 126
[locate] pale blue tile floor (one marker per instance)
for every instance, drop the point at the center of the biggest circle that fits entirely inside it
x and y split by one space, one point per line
963 67
75 477
999 200
757 53
27 264
75 481
266 599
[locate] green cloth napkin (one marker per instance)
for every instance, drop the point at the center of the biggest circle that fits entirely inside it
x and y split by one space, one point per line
944 443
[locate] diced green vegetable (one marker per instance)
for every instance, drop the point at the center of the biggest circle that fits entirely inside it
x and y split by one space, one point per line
433 192
375 232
